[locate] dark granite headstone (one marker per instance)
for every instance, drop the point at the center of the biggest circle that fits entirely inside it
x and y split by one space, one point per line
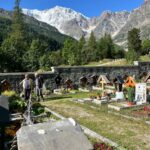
4 110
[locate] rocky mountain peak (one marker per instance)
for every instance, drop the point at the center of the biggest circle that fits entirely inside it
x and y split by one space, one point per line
76 24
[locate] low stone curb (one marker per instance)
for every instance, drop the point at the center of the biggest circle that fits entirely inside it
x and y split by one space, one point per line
128 117
90 132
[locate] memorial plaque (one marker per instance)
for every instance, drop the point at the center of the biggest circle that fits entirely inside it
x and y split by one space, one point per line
140 93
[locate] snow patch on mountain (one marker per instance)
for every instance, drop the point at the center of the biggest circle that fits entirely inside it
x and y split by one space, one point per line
75 24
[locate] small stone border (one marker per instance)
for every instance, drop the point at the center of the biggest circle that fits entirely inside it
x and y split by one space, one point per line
123 107
125 116
128 117
90 132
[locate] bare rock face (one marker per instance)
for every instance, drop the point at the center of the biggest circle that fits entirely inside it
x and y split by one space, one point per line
138 18
111 23
76 25
65 20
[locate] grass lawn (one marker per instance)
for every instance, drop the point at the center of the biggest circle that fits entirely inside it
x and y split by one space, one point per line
145 58
133 135
111 62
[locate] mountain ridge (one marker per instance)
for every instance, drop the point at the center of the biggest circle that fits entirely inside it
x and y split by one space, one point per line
41 28
65 19
117 24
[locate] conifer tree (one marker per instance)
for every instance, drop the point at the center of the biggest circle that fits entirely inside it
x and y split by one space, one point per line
92 47
14 46
106 47
134 45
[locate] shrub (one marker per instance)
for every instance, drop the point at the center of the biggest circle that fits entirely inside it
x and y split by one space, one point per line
37 109
10 94
131 94
16 104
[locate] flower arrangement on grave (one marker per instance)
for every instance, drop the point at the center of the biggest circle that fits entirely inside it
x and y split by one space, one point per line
92 96
99 95
147 108
131 95
102 146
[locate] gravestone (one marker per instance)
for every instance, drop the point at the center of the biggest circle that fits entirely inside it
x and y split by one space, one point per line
118 81
60 135
69 84
103 80
5 85
4 118
140 93
4 110
83 81
147 79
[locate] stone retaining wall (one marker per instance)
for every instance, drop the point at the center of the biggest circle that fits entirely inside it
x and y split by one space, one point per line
74 73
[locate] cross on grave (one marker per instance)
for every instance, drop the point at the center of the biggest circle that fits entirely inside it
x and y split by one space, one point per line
147 79
5 85
103 80
130 82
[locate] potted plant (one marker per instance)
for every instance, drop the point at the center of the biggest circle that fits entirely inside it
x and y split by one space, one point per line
98 95
131 96
92 96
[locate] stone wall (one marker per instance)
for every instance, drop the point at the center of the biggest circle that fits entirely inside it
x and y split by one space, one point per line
74 73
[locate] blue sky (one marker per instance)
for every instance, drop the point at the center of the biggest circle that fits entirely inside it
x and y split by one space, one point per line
89 8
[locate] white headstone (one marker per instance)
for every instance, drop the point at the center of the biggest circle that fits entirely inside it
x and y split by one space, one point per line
119 96
140 93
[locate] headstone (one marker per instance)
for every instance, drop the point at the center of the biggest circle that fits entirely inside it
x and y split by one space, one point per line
61 135
4 110
140 93
119 96
5 85
83 81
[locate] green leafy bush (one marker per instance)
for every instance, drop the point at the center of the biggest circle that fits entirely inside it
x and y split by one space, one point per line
16 104
131 94
37 109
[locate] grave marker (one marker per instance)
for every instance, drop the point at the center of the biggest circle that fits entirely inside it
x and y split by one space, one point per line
140 93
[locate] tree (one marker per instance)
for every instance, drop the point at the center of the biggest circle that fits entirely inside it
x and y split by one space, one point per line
81 43
134 45
92 47
14 46
55 58
32 56
131 56
145 47
106 48
119 52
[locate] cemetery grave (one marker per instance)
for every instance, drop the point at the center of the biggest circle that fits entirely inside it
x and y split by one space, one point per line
87 109
18 113
128 133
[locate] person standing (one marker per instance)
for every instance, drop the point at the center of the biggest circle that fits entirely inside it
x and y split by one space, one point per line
27 86
58 80
39 86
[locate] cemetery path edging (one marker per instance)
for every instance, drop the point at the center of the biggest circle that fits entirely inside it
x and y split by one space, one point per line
90 132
